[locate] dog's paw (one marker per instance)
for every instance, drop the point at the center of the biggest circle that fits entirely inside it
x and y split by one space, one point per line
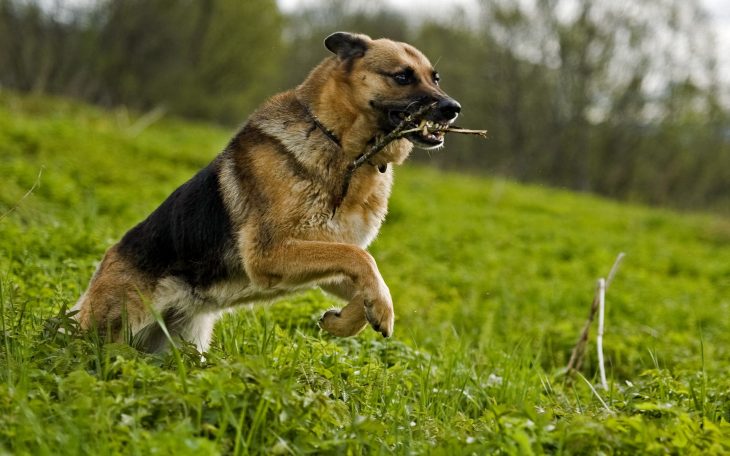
329 321
379 308
340 324
380 315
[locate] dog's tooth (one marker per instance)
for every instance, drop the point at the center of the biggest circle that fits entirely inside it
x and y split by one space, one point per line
422 124
425 130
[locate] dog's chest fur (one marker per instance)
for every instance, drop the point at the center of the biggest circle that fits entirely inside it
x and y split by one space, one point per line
315 167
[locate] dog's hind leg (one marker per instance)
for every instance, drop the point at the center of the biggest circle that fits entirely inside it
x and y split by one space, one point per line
198 329
195 328
150 339
351 319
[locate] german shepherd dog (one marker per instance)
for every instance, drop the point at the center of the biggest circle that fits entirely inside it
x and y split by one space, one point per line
258 223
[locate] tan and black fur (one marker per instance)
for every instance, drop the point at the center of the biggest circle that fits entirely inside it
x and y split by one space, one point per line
258 221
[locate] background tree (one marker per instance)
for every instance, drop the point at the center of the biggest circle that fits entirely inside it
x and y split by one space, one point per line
211 59
620 98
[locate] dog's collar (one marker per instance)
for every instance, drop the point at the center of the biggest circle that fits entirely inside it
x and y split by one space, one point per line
332 136
318 124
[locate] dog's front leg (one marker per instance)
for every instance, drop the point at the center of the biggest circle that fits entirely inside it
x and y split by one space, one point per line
293 263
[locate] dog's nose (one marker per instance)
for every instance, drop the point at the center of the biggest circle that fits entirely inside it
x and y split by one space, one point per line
448 108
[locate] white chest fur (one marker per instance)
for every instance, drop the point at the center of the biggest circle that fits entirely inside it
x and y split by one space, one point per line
359 228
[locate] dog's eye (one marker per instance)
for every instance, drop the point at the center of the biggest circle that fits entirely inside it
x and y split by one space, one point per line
436 78
404 77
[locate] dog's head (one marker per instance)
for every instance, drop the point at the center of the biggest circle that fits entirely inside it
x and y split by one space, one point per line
392 80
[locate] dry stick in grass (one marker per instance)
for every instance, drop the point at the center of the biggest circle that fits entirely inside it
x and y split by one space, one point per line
27 194
614 268
576 357
599 335
397 133
602 287
598 396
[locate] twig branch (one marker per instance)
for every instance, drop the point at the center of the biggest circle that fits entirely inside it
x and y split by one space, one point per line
27 194
595 393
146 120
397 133
576 357
450 129
599 336
379 145
614 268
466 131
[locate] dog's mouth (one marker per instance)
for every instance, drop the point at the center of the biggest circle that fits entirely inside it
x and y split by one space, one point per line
424 133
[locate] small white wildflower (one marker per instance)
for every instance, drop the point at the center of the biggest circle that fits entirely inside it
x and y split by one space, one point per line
549 428
628 382
494 380
539 409
470 440
412 423
127 420
281 447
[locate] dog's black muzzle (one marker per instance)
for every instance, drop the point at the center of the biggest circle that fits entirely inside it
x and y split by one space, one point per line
447 110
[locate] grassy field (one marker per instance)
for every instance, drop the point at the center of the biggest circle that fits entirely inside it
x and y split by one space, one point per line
492 282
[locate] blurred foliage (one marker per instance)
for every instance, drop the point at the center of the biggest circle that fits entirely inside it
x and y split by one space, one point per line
615 97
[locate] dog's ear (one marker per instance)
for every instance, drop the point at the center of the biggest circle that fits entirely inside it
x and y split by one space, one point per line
347 45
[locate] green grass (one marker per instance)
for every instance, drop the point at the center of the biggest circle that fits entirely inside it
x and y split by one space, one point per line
491 280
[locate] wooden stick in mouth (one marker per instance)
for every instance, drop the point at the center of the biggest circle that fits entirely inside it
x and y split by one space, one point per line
446 129
398 132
